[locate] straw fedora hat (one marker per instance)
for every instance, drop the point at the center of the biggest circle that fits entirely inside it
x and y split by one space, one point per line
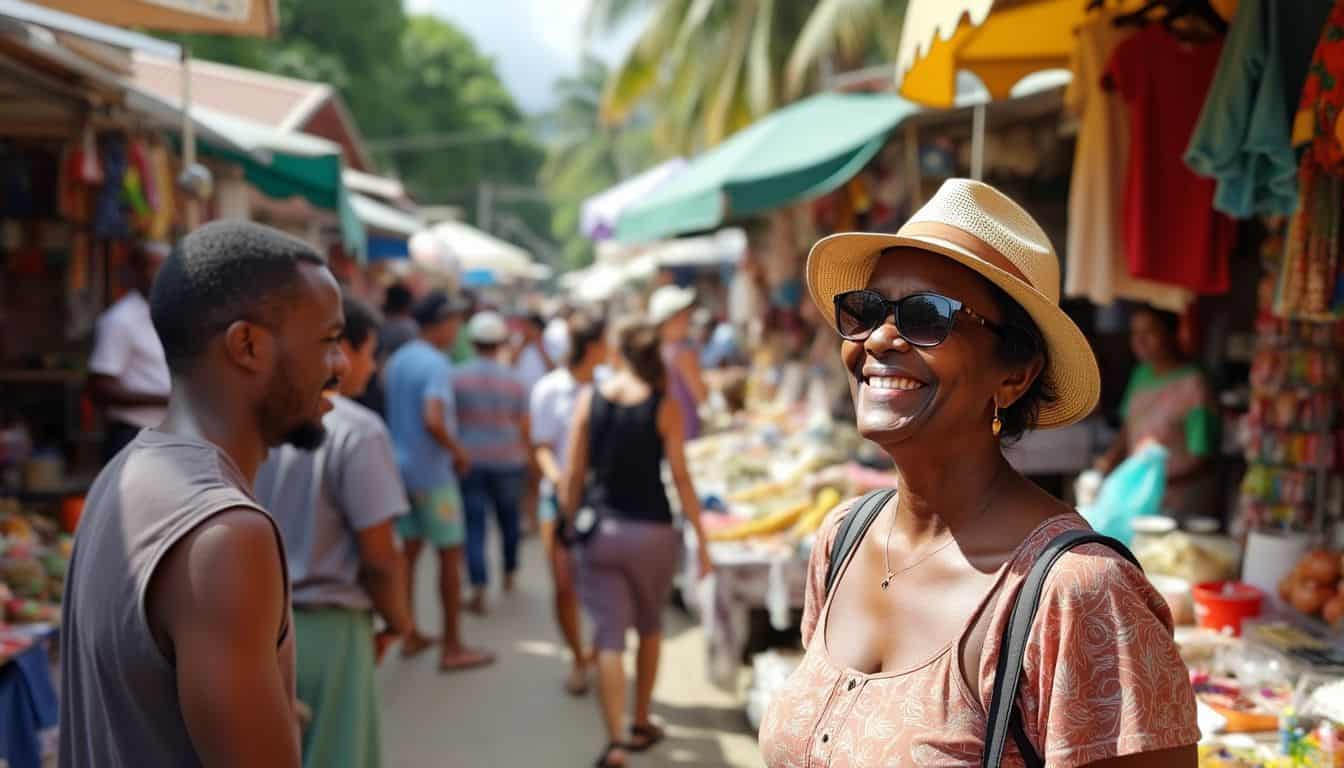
978 227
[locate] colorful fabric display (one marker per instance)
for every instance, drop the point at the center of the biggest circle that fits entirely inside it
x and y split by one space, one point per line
1243 137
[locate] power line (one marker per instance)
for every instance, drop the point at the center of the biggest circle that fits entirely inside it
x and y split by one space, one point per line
444 139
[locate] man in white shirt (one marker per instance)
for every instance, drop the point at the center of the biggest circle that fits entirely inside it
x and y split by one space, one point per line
531 362
555 339
128 373
552 407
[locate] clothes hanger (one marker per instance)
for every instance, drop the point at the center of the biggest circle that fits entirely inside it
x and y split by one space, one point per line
1140 17
1199 10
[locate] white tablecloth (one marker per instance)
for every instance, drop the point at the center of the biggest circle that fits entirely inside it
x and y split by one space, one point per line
743 579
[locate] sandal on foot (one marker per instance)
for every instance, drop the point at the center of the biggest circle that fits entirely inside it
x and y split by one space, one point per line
415 644
604 760
465 659
648 736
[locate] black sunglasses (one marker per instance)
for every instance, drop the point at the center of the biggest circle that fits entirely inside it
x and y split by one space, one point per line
922 319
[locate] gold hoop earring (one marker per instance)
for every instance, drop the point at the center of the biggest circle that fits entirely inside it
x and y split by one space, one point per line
996 426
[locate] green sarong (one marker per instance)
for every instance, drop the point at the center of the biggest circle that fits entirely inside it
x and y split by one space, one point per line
334 672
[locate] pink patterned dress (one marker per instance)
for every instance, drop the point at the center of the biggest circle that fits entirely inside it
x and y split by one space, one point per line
1102 676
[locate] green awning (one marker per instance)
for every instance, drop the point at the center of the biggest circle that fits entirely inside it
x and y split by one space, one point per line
282 164
801 151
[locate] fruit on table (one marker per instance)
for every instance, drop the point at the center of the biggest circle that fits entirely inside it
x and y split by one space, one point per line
772 523
1310 597
811 520
24 573
1333 610
1320 566
14 526
22 611
759 492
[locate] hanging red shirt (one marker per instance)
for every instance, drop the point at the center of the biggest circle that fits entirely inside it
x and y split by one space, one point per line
1172 233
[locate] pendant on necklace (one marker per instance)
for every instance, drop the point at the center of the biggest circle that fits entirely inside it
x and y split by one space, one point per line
887 581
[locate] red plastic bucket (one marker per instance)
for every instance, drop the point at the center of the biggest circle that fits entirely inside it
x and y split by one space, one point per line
1224 604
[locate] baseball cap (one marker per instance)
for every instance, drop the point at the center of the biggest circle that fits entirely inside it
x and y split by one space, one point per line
488 328
437 306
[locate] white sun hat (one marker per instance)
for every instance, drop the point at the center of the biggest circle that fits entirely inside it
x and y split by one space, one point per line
669 301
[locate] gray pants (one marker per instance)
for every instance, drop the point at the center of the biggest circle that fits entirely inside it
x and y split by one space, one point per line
625 578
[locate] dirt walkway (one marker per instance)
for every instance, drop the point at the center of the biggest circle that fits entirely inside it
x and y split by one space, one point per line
516 715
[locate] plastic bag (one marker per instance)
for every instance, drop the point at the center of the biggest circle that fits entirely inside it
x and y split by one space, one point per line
1133 489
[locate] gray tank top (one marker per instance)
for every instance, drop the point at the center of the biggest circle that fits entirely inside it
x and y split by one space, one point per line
119 704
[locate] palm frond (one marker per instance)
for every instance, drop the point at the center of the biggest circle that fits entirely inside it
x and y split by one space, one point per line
638 74
760 89
726 90
816 39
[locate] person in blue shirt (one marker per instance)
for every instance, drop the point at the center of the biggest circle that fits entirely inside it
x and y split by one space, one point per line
421 417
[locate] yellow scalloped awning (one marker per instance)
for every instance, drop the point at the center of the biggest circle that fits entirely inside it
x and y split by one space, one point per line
247 18
1000 41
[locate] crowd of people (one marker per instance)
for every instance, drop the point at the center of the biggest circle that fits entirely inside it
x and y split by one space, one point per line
279 456
246 559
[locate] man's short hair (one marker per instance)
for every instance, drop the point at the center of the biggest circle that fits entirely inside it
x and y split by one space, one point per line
223 272
361 320
397 300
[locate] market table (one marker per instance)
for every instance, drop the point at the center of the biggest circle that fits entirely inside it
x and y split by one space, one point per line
744 578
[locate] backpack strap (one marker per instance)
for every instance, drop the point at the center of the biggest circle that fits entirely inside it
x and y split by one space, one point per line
1005 719
852 528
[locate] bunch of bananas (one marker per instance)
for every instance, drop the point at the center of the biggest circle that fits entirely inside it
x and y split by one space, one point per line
799 519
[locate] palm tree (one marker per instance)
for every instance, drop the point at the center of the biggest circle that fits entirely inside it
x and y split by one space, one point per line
712 66
588 155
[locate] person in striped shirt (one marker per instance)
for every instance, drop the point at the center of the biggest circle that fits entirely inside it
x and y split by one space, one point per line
493 427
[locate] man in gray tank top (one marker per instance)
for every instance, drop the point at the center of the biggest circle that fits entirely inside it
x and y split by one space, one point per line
176 647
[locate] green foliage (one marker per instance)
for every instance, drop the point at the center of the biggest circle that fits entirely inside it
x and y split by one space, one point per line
402 77
587 156
714 66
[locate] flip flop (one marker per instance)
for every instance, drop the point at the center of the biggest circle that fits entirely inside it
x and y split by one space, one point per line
477 606
649 734
466 659
415 645
604 760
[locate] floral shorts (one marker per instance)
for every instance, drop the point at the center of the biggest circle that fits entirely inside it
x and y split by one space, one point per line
436 516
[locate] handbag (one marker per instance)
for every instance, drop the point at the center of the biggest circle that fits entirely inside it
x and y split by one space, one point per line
1004 717
588 517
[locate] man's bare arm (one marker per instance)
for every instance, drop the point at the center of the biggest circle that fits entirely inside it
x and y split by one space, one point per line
216 604
382 567
436 423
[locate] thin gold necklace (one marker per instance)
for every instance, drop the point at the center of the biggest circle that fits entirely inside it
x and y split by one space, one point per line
886 547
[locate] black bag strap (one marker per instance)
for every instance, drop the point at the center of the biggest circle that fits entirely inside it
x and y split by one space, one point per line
1005 719
860 517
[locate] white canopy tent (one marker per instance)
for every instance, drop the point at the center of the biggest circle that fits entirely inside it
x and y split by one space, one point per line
475 251
597 217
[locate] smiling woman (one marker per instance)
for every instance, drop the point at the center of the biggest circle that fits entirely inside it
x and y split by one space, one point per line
955 342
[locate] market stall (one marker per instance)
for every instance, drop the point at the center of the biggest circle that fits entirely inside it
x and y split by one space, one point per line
1251 267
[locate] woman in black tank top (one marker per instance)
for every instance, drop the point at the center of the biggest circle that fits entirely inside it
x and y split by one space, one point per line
623 432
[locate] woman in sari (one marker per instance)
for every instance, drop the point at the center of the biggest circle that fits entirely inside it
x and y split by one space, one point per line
1168 402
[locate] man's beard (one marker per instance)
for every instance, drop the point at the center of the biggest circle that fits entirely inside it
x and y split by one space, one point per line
281 403
307 437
